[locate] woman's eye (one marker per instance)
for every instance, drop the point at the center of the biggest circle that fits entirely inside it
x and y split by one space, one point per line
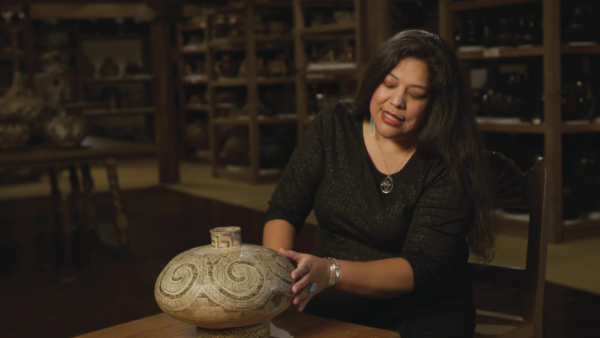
417 95
389 85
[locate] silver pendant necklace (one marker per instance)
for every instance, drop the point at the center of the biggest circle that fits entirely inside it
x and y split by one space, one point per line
388 183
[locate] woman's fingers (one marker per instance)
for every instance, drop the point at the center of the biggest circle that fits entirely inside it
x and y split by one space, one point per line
289 254
301 284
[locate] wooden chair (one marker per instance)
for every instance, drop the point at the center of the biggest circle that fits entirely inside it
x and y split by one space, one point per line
525 320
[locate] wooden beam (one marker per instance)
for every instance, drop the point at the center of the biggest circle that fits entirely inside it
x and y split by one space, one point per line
164 115
552 119
377 28
139 11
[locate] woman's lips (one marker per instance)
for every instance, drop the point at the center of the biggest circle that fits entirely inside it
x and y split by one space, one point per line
391 119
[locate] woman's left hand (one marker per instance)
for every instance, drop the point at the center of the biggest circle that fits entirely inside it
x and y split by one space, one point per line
309 269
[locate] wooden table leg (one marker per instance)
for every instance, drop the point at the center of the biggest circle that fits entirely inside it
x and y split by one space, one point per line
88 206
57 234
75 198
121 220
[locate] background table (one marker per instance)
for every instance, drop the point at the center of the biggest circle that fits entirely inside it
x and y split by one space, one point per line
92 150
299 325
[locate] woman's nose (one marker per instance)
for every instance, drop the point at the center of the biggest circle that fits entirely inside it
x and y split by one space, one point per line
398 99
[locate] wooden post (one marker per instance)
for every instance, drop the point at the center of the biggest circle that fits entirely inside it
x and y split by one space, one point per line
552 119
445 18
300 64
377 27
164 116
252 95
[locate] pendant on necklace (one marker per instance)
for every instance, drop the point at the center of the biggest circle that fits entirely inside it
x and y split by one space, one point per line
387 184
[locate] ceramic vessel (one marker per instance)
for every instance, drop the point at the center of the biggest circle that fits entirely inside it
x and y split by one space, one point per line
66 131
13 135
226 286
196 134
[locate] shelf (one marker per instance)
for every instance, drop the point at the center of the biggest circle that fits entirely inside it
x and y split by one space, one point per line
508 52
195 79
112 37
273 38
192 26
337 27
573 127
331 67
240 120
118 111
229 9
509 125
200 156
275 80
278 119
469 5
583 48
272 4
229 82
64 50
125 79
190 50
196 107
228 43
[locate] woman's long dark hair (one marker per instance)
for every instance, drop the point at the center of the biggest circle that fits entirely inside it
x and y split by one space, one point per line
449 130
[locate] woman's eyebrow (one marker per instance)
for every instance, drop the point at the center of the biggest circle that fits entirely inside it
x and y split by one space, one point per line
411 85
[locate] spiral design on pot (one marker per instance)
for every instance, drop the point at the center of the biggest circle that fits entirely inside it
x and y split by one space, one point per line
176 285
237 284
279 268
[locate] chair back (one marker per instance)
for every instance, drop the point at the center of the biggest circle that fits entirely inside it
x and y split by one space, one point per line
517 190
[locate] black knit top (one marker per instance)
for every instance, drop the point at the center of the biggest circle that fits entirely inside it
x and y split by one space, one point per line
423 219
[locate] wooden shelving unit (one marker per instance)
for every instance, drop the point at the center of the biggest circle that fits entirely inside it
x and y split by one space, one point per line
553 128
253 45
194 21
502 53
307 73
155 106
470 5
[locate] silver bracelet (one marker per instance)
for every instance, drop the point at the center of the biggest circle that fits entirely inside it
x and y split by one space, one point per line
337 271
334 271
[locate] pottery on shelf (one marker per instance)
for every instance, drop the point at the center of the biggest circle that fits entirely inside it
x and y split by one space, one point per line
13 135
66 131
22 103
196 134
226 289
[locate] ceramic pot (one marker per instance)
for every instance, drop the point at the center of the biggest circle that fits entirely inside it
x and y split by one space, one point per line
13 135
66 131
226 285
196 134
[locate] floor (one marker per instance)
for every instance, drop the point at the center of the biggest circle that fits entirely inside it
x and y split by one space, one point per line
67 279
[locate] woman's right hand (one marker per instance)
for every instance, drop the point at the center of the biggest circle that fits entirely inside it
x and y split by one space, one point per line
309 270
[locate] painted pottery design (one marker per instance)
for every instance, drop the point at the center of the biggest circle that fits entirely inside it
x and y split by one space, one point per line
66 131
226 285
13 135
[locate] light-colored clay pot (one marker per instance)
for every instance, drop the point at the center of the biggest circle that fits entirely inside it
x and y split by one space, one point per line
226 284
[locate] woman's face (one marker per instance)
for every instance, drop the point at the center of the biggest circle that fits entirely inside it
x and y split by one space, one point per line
398 105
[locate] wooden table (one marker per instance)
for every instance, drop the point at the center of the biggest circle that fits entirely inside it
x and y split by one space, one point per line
92 150
299 325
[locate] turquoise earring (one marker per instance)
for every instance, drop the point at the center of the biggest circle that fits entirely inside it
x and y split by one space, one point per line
372 128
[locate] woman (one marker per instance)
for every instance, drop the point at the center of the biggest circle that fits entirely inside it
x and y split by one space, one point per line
398 184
